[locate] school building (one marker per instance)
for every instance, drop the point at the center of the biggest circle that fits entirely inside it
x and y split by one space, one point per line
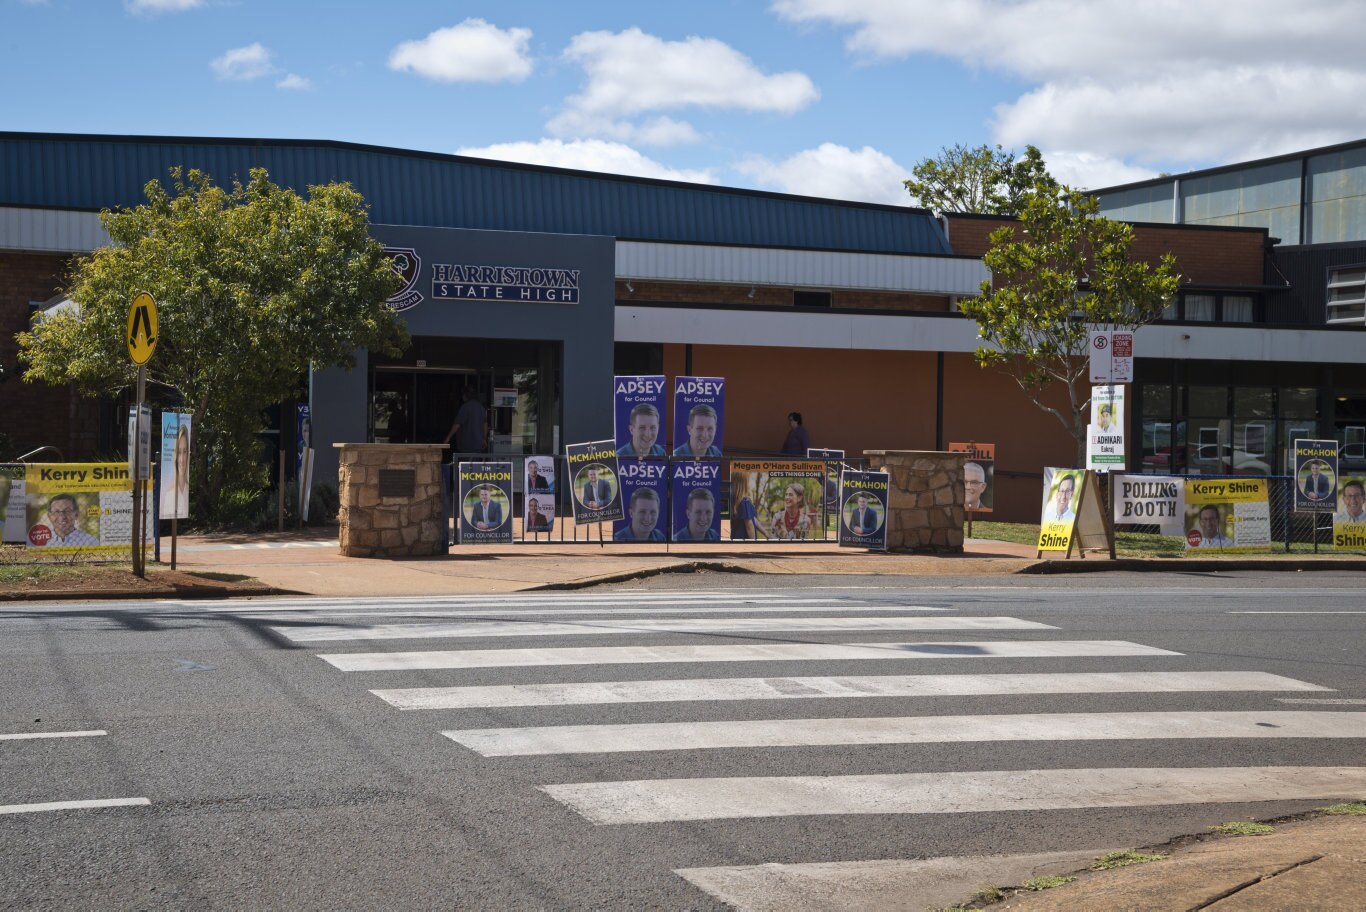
541 283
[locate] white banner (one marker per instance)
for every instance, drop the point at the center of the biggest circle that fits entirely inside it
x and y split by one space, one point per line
1151 500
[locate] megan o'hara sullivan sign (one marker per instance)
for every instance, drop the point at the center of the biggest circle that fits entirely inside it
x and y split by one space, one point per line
468 282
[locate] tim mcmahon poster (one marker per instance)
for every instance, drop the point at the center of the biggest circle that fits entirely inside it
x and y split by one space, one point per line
863 509
485 503
696 501
1316 476
594 482
699 416
639 404
645 495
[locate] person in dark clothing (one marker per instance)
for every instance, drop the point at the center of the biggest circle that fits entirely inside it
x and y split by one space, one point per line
798 440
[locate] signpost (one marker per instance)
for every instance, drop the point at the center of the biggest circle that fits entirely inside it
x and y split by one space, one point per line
1112 356
141 337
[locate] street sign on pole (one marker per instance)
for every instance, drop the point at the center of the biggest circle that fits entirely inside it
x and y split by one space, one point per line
1112 356
142 328
141 338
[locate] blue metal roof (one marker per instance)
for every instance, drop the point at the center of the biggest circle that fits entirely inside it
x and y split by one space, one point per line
422 188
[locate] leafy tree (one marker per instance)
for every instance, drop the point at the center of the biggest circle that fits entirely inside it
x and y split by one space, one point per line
1059 273
252 285
984 180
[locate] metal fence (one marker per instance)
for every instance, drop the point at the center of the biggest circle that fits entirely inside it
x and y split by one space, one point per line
1290 530
822 515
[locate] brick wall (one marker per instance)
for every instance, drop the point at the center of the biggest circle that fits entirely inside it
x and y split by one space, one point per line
36 414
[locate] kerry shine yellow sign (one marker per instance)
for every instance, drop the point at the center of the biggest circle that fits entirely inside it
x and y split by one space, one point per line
80 508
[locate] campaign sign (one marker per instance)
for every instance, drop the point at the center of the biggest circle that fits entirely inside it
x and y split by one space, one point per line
1230 514
1316 476
696 505
863 509
175 465
639 405
81 508
832 474
645 495
778 499
1062 493
1349 522
485 503
538 512
699 415
979 475
13 503
1105 432
1150 500
303 436
594 481
539 475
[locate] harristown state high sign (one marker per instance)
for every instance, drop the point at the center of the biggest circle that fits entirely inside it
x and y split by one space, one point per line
464 282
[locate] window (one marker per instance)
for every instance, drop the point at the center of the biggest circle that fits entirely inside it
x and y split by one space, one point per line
1347 294
1237 309
811 299
1200 307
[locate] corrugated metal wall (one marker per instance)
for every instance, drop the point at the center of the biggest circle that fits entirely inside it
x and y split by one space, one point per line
94 172
1305 303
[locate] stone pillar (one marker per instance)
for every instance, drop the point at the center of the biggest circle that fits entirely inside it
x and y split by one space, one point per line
390 496
925 499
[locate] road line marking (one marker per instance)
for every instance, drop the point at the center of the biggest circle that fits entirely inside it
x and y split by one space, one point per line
72 805
631 612
494 629
750 652
882 884
662 800
1295 612
25 736
760 733
506 599
1324 702
847 686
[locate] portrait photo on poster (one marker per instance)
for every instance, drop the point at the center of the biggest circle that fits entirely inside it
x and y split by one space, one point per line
699 417
640 414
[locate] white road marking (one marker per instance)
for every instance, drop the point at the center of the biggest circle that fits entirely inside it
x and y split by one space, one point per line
660 800
892 884
513 628
849 686
1324 702
752 652
794 606
1124 726
25 736
72 805
490 602
1295 612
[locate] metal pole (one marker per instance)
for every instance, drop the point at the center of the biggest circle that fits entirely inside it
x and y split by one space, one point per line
139 566
280 523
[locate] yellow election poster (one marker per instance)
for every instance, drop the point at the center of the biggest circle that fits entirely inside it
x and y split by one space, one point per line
1228 514
1062 493
80 508
1349 522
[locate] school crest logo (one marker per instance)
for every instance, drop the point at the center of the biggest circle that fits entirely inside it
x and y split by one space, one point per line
407 264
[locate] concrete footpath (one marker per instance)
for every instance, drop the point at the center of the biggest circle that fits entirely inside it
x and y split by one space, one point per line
308 562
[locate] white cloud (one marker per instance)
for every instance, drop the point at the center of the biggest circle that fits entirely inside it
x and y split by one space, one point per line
586 155
834 171
1164 81
250 62
1085 170
295 82
631 73
473 51
161 6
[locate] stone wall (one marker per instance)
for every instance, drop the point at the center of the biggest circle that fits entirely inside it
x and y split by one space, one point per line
396 526
925 500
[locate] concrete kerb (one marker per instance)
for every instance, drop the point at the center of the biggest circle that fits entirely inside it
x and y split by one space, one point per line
1193 565
183 592
643 573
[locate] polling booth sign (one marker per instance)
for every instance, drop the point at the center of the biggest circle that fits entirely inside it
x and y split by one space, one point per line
1156 500
640 410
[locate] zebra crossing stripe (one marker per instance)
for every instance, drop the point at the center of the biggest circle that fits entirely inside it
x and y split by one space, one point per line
513 600
33 736
72 805
514 628
749 652
662 800
795 606
1130 726
850 686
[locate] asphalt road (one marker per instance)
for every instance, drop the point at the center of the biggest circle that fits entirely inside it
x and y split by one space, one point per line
253 771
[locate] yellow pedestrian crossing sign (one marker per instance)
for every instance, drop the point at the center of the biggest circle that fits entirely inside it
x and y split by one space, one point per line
142 328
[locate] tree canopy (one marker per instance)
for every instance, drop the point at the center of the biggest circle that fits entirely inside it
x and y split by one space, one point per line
252 283
1056 275
986 180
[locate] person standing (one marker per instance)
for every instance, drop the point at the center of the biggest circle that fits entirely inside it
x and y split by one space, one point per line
798 438
470 428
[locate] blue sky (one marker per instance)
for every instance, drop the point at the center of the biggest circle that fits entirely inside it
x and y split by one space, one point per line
828 97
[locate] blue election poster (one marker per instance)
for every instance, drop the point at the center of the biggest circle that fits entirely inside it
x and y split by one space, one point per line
699 416
696 507
645 495
640 408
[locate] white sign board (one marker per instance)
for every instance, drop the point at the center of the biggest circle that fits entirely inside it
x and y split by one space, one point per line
1150 500
140 442
1105 433
1112 356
